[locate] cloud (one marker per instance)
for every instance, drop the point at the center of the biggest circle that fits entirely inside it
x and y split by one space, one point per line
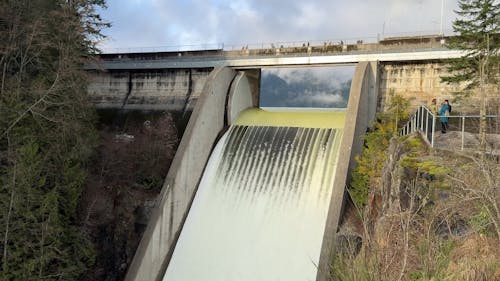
333 77
321 98
184 22
306 87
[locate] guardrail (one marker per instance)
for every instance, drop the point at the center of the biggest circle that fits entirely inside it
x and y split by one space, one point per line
423 121
427 123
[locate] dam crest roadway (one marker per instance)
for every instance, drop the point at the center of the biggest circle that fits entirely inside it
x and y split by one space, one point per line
421 48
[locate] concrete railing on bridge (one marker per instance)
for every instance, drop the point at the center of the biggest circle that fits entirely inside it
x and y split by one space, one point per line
391 41
390 49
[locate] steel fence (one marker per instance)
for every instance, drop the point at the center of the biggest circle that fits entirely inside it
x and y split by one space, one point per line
465 127
423 121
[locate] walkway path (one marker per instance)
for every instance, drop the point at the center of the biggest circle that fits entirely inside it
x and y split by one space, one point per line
452 140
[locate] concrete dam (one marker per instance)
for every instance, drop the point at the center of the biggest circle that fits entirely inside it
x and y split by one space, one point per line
254 194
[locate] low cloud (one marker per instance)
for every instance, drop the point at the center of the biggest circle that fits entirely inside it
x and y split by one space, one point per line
325 99
306 87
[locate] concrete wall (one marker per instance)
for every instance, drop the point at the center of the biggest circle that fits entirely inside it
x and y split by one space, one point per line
254 76
420 82
180 185
417 81
359 114
373 94
168 89
240 97
178 89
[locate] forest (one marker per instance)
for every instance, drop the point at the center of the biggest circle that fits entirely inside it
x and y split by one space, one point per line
47 136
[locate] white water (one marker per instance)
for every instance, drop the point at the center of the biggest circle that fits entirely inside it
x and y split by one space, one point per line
261 207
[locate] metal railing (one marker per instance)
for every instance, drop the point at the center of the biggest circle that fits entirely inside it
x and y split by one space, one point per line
423 121
465 127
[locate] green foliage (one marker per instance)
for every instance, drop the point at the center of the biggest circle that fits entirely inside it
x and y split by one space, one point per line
435 257
413 159
477 28
360 185
370 164
481 222
396 113
415 144
46 136
433 168
410 162
359 268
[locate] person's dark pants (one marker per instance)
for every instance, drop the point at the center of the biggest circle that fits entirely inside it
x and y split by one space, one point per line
444 127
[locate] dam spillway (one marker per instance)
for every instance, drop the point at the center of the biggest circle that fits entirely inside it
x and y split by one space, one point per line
261 206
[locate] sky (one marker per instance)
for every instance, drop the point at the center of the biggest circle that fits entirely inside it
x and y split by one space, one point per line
236 23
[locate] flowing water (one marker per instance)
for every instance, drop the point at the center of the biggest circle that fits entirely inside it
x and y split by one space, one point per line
261 207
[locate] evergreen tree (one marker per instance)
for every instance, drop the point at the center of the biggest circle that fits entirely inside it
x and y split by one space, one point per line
46 135
478 35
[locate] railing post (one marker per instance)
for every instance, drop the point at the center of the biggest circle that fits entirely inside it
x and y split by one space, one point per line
463 132
433 129
427 124
422 118
417 117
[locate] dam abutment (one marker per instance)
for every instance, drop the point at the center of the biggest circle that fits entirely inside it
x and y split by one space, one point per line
359 117
243 94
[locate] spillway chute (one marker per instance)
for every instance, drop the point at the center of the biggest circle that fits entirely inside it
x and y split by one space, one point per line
261 206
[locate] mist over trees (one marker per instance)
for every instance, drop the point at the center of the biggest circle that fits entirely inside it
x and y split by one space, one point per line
46 136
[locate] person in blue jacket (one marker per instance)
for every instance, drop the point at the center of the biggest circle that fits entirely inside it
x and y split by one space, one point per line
443 115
